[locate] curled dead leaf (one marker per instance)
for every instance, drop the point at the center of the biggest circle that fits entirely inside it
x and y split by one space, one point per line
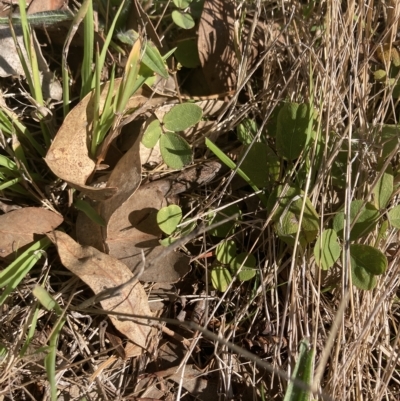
18 227
133 229
112 281
68 156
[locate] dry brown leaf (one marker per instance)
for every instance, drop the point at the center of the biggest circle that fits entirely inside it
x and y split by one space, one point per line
126 176
37 6
102 273
216 45
68 156
133 228
17 228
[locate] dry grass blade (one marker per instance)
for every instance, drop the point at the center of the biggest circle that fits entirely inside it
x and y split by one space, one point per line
309 145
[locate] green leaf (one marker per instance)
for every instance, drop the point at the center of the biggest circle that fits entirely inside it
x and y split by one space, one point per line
303 371
183 20
3 353
182 3
292 130
365 223
220 278
368 258
225 251
261 165
232 165
46 300
175 151
362 265
327 249
152 134
248 261
151 57
90 212
380 75
182 116
168 218
223 230
389 138
182 232
384 189
394 217
187 53
288 213
246 131
362 279
15 272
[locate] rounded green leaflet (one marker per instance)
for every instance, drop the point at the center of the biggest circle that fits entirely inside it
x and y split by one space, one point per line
286 217
187 53
220 278
248 261
380 75
184 230
368 258
183 20
168 218
152 134
175 151
362 279
292 130
246 131
226 251
182 116
256 164
394 217
366 222
182 3
327 249
227 228
384 189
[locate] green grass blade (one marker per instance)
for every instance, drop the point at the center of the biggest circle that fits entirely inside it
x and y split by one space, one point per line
9 122
44 18
86 208
78 18
32 322
107 42
49 303
232 165
14 273
303 371
32 74
50 359
88 43
126 89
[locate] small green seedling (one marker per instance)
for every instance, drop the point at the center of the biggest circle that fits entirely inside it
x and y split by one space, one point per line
368 216
229 263
175 150
168 219
327 249
394 216
287 216
303 371
294 130
366 262
181 17
49 303
227 228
